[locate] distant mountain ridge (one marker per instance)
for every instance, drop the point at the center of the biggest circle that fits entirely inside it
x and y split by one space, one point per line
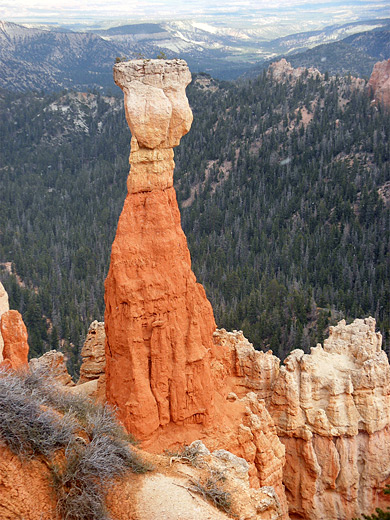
356 54
302 41
53 58
138 28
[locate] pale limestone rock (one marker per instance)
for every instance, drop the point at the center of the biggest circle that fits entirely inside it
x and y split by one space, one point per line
251 370
92 353
332 412
247 503
89 389
282 71
158 114
4 307
53 363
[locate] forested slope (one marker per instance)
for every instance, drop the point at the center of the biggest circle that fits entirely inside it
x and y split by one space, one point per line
290 225
283 189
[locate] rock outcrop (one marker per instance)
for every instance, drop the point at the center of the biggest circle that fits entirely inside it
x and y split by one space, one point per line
93 353
172 379
14 333
92 381
159 323
332 412
53 364
228 473
4 307
282 70
379 82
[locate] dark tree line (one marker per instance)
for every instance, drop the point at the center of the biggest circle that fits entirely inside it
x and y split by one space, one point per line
281 190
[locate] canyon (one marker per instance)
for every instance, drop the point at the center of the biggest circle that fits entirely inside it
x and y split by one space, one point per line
304 439
304 428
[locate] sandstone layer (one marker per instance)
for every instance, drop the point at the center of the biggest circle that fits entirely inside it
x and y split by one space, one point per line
4 307
379 82
93 353
332 411
52 364
14 333
172 379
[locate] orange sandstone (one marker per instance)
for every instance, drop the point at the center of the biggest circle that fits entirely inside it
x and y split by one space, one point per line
25 490
173 377
159 323
14 333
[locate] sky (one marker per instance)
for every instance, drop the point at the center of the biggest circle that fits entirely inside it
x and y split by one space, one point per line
75 11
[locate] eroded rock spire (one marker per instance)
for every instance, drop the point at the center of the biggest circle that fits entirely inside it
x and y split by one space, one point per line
159 323
174 378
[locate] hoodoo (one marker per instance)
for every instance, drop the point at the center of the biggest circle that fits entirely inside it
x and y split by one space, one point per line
173 377
13 335
159 323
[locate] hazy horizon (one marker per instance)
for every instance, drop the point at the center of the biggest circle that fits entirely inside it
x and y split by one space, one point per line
241 13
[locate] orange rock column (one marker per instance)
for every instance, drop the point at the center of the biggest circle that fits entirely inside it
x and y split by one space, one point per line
159 323
14 333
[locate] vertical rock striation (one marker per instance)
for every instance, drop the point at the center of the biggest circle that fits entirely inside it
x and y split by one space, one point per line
332 412
173 377
13 335
159 323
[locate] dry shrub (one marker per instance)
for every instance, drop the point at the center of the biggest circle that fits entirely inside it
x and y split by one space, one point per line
26 426
211 489
38 418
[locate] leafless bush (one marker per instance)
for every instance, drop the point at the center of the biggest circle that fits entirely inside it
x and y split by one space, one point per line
25 426
187 454
95 445
89 471
102 421
96 419
211 490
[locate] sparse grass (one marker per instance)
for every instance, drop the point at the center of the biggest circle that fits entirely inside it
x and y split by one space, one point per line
187 454
211 490
26 426
38 418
